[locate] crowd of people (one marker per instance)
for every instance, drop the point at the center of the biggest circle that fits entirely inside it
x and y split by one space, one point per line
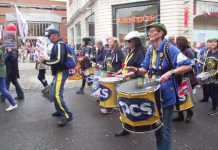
133 61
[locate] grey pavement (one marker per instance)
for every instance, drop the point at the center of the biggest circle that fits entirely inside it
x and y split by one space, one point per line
31 127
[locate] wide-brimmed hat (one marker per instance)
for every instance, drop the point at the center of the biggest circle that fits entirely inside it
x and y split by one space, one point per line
157 25
132 34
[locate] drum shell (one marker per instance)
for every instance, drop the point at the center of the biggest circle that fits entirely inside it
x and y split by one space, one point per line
78 75
89 75
148 124
111 101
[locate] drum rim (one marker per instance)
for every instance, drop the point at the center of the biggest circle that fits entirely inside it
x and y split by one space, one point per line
139 93
100 80
161 124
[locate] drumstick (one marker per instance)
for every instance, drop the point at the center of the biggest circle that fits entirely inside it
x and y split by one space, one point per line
205 60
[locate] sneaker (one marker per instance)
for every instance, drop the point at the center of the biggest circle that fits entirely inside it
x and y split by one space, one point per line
56 114
213 112
63 121
11 107
19 98
106 110
81 91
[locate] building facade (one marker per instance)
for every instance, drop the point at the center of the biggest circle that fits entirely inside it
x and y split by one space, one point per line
99 19
40 15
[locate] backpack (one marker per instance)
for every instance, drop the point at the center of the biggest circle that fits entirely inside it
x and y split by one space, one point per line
71 58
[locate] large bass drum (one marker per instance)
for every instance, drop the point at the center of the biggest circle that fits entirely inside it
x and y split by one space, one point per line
140 108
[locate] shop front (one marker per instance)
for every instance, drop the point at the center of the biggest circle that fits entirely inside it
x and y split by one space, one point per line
205 20
134 17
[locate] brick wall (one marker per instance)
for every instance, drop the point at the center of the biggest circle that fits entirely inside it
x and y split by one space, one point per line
4 10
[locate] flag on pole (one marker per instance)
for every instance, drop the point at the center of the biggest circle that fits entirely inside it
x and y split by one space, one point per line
22 25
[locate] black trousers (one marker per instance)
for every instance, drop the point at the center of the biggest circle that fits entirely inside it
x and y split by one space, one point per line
41 77
18 88
213 93
206 92
83 83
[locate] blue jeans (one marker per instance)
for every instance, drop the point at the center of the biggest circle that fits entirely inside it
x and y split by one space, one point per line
163 135
5 92
16 84
57 94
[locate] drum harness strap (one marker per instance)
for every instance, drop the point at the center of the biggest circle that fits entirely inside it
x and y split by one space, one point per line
165 53
128 57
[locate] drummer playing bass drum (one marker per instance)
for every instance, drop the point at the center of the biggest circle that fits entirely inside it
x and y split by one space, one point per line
134 58
158 68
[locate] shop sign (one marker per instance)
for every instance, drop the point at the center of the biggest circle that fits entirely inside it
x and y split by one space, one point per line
136 19
207 8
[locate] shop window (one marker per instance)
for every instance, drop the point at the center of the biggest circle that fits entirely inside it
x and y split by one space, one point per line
78 33
134 17
205 20
90 27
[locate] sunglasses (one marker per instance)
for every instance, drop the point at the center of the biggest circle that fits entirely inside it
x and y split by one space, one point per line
129 41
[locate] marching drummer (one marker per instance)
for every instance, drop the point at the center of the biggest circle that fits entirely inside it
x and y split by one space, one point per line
100 54
134 58
211 65
135 55
115 57
112 62
85 60
158 68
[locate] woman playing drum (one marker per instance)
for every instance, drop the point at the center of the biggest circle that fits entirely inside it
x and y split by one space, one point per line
85 60
112 62
211 65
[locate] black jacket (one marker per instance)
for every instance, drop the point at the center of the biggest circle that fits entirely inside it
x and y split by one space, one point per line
100 55
11 63
117 58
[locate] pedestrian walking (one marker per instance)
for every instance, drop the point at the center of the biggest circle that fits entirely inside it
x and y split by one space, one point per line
3 88
11 62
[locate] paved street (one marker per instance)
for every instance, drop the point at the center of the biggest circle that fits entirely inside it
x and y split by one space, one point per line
31 127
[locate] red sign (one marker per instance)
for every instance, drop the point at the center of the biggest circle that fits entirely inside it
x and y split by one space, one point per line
183 88
136 19
186 16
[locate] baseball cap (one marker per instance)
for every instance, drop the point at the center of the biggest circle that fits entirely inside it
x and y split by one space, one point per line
52 31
